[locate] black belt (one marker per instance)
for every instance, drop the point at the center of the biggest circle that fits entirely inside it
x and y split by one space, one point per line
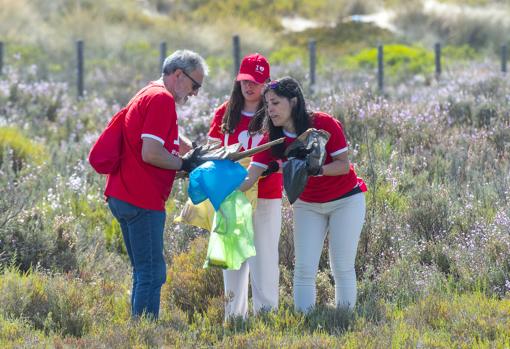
354 191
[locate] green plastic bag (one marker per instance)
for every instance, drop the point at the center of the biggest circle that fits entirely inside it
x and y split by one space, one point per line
231 239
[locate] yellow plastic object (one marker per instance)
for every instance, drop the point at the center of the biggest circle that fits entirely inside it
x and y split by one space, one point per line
200 215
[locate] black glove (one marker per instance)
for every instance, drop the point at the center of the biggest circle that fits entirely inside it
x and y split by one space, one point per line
299 153
192 159
272 167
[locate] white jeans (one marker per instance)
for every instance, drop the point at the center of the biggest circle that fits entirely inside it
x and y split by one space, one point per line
344 220
262 268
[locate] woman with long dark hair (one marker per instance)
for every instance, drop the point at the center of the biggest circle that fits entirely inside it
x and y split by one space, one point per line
331 202
239 120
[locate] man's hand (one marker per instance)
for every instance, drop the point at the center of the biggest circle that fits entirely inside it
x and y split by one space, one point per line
192 159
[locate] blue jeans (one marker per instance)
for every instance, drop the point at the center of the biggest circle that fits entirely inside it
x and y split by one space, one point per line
142 230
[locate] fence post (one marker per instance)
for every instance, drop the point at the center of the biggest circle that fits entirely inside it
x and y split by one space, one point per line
1 57
312 47
79 54
380 67
437 49
504 55
236 45
162 55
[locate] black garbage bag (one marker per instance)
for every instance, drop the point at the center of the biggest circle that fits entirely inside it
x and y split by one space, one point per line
305 155
295 177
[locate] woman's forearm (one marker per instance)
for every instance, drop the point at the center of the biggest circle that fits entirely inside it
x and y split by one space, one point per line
254 173
338 167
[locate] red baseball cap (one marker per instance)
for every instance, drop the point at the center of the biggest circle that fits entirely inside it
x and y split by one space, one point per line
254 67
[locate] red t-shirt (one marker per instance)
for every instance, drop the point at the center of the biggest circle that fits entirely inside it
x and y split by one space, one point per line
320 188
151 114
269 187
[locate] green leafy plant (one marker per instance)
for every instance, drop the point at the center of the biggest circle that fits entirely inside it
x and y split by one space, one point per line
399 60
23 148
189 285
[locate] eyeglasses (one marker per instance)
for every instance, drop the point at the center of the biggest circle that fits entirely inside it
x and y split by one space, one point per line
273 85
195 85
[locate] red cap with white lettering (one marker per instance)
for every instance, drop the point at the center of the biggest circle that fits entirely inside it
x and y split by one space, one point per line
254 67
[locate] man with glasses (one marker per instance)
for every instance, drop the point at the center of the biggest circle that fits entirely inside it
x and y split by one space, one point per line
137 191
195 85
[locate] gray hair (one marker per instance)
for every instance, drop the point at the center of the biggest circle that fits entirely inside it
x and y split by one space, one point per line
186 60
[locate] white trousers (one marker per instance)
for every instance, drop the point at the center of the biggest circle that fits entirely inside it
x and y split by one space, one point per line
262 269
344 220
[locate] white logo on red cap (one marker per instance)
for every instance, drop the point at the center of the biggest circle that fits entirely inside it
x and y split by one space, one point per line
259 68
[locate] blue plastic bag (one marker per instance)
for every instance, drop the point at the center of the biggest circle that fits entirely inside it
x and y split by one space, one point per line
215 180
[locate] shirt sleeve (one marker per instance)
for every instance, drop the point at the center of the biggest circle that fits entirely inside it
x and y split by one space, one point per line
215 133
263 158
160 117
337 144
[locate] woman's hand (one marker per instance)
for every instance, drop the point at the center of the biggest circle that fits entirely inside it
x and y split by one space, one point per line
272 167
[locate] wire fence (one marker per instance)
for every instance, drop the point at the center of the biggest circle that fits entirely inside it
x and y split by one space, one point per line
236 52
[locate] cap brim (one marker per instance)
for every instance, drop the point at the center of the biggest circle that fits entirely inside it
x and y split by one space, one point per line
241 77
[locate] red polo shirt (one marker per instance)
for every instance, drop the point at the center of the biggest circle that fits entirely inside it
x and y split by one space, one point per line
151 114
320 188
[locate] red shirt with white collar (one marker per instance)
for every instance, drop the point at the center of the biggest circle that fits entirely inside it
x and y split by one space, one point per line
269 187
151 114
321 188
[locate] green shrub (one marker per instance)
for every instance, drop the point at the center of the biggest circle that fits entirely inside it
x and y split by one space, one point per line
23 148
433 253
467 319
286 297
36 243
30 237
501 140
428 214
23 55
95 215
406 281
460 112
331 320
286 243
52 307
18 332
486 115
453 54
114 239
400 61
189 286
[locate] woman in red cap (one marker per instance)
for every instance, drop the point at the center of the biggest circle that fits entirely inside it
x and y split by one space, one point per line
332 203
239 120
